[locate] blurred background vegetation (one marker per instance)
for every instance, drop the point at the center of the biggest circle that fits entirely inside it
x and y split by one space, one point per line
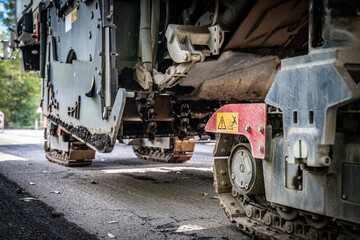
20 92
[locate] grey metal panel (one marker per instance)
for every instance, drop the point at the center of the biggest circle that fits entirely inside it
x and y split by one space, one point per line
74 81
316 84
311 83
351 175
78 37
67 83
309 89
321 193
23 6
58 144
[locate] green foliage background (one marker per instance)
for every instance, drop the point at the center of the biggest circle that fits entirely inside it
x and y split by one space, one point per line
20 94
7 17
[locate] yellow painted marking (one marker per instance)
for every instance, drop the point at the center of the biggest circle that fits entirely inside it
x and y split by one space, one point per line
35 14
73 15
227 122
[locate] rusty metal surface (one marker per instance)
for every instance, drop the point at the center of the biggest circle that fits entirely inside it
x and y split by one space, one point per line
235 76
184 146
179 152
270 24
162 107
222 182
82 154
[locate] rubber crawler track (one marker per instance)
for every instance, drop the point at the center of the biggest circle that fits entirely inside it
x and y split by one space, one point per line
63 159
261 221
167 156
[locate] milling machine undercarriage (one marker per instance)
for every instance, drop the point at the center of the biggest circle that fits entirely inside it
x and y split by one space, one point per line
153 73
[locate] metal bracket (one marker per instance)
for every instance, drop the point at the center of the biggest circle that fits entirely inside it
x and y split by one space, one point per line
181 40
143 76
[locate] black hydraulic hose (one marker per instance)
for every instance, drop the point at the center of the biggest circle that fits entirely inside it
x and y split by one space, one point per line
43 36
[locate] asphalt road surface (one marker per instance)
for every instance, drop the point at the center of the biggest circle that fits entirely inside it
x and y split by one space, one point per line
132 198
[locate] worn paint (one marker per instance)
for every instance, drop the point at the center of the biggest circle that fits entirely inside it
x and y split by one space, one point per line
251 123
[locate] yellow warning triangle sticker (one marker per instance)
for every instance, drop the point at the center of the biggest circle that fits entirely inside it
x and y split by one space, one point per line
222 124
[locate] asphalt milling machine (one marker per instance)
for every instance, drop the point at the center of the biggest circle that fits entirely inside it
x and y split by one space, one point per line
276 83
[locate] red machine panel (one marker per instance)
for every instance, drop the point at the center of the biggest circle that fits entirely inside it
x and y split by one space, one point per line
245 119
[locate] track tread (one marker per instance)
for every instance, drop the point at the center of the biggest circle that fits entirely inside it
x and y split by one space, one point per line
154 154
52 157
254 221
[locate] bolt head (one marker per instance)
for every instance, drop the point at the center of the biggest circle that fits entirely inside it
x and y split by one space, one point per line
222 172
247 128
234 193
242 168
261 129
261 148
327 160
344 196
232 176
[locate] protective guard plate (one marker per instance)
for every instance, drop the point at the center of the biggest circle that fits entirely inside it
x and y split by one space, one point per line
245 119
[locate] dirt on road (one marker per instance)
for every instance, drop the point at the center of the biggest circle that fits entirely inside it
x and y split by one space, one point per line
24 217
132 198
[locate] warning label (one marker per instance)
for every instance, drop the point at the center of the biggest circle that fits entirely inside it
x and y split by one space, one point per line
35 14
73 15
227 122
69 19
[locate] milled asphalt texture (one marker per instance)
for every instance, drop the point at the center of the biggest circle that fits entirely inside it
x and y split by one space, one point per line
32 220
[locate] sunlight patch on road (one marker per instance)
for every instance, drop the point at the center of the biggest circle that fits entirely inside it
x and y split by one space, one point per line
9 157
197 226
157 169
